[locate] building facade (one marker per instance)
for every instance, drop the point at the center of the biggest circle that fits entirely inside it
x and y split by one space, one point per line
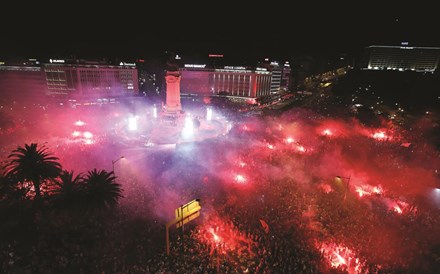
64 79
24 82
401 58
238 81
87 79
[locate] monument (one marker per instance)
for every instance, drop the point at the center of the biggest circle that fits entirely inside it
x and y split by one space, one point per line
172 78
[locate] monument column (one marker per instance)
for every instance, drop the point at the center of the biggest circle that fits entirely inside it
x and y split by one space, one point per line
172 79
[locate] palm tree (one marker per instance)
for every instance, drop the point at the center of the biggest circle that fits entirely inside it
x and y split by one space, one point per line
69 189
8 190
101 189
32 167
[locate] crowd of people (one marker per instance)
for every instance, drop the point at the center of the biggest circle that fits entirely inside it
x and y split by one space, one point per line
264 209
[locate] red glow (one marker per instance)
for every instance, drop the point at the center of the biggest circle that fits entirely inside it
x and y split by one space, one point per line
301 148
338 255
366 189
216 238
399 206
240 179
222 236
377 190
380 136
327 132
325 187
362 192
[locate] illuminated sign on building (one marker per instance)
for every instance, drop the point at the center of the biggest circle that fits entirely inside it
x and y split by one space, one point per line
215 55
2 63
56 61
127 64
262 69
274 63
231 67
195 66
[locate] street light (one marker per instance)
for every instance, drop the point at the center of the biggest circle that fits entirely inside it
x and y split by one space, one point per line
113 163
339 178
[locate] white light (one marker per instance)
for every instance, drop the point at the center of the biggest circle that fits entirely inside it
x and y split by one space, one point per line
79 123
188 129
234 68
155 112
132 123
88 135
208 114
56 60
195 65
127 64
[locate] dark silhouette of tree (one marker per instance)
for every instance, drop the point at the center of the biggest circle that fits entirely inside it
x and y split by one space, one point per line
101 189
32 168
69 189
8 191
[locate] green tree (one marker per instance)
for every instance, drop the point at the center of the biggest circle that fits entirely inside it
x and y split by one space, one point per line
101 189
32 168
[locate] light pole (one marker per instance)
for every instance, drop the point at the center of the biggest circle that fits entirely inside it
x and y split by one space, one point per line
339 178
113 163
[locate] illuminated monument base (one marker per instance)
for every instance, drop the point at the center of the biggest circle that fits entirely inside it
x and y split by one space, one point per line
173 126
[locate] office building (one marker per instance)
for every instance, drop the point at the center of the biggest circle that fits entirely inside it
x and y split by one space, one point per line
85 79
21 80
237 81
401 58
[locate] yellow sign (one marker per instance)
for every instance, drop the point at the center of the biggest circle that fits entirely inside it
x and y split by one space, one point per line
188 219
188 209
184 214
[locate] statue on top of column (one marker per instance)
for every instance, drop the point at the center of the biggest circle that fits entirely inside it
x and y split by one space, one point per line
171 63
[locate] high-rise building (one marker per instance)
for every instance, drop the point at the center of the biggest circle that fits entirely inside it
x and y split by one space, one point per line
285 77
275 81
90 79
67 79
23 82
401 58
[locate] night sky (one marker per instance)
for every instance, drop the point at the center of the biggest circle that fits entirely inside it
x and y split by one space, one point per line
142 30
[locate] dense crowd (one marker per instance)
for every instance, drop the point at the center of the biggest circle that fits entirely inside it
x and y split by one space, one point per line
276 218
